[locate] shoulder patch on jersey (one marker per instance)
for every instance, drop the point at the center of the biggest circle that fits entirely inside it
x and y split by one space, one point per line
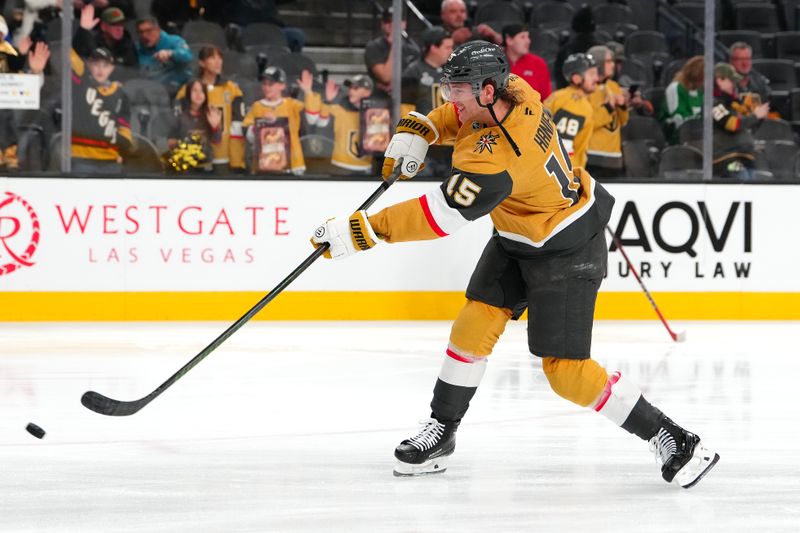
486 142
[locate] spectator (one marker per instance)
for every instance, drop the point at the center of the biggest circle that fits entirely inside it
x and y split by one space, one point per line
618 49
378 54
572 112
126 6
752 81
12 61
32 14
421 92
347 155
162 56
421 78
637 103
582 39
734 146
244 12
454 21
101 132
107 32
528 66
197 117
683 98
610 114
40 11
273 123
226 96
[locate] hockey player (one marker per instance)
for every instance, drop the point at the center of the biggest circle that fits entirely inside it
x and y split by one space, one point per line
610 114
572 112
548 253
273 123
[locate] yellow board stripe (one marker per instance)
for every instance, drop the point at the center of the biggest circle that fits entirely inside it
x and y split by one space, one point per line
227 306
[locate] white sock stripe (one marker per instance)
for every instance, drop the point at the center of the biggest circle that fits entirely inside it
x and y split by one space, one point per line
462 374
621 401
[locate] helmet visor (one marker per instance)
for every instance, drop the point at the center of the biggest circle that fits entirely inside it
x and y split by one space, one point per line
454 91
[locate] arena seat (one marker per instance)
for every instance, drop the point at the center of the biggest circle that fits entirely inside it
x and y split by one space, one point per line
201 31
263 33
552 15
781 156
760 17
641 158
680 162
496 11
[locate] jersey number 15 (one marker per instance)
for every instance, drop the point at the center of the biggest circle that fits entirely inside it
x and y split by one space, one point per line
570 185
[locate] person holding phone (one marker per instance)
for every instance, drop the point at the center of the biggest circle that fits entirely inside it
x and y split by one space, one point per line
610 106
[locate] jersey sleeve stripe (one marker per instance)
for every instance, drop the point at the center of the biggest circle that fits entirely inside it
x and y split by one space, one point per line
448 219
423 202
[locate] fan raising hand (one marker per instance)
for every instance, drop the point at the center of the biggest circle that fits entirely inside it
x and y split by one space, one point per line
331 90
305 81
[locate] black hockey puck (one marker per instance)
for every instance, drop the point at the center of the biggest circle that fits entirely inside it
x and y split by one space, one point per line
34 430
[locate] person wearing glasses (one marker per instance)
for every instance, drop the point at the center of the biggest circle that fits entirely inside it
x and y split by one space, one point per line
163 57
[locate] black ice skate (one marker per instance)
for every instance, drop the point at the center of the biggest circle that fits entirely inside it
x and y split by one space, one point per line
427 452
682 456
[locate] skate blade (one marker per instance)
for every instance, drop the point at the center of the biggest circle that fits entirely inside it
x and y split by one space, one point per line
702 474
434 466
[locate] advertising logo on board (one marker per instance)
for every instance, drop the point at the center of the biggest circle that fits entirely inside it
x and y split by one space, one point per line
19 233
686 239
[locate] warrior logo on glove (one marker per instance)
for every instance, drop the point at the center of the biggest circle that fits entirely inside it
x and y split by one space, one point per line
345 236
414 133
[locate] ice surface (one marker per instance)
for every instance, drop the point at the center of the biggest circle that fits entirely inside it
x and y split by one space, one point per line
291 427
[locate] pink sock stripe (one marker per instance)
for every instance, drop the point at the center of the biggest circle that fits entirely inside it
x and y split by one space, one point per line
423 202
457 357
612 379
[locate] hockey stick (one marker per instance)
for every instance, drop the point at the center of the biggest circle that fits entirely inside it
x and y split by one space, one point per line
677 337
108 406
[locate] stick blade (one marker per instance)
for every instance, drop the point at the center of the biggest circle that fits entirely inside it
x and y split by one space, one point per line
94 401
680 336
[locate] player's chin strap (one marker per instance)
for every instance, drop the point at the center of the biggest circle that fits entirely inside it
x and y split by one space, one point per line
490 107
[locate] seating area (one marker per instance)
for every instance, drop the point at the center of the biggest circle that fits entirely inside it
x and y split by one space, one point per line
653 55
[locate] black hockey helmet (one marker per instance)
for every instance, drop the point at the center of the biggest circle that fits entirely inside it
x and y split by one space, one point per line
475 62
577 64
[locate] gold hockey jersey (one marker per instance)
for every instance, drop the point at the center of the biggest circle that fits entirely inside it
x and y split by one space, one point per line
573 114
539 203
605 144
227 96
292 110
346 136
